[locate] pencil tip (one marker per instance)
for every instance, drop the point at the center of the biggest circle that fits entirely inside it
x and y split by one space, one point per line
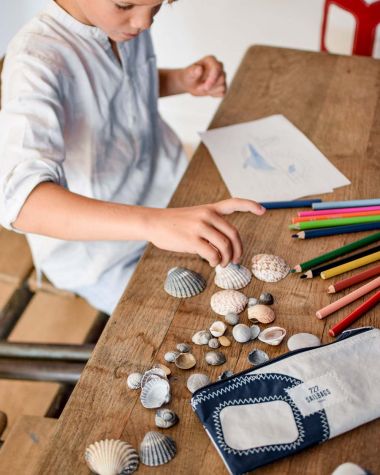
294 235
292 271
303 276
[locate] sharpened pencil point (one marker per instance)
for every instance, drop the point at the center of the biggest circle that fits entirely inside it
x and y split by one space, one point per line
292 271
294 235
303 276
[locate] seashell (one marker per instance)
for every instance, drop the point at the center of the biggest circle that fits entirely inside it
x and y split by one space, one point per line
202 337
185 361
269 268
242 333
134 380
153 373
215 358
197 381
224 341
111 457
266 298
302 340
228 301
261 313
164 368
165 418
183 347
226 374
233 276
256 357
214 343
255 331
232 318
157 449
218 328
155 393
170 356
349 468
181 282
252 301
273 335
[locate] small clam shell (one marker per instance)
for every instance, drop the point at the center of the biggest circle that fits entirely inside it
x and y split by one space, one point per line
113 457
226 374
165 418
202 337
218 328
134 380
252 301
261 313
215 358
157 449
224 341
185 361
183 347
171 356
232 318
155 393
256 357
164 368
266 298
214 343
233 276
272 335
242 333
255 330
269 268
181 282
228 301
302 340
349 468
197 381
154 373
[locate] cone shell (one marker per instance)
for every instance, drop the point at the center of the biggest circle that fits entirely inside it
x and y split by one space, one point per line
197 381
242 333
228 301
215 358
269 268
256 357
261 313
111 457
272 335
157 449
233 276
134 380
165 418
185 361
181 282
155 393
218 328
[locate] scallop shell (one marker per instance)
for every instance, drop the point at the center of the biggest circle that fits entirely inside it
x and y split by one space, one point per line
197 381
111 457
272 335
202 337
242 333
218 328
224 341
153 373
226 374
164 368
232 318
157 449
215 358
269 268
185 361
266 298
302 340
183 347
261 313
214 343
155 393
233 276
228 301
256 357
252 301
171 356
181 282
255 331
165 418
134 380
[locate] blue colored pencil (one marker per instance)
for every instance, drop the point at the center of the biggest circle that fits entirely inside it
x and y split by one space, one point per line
290 204
352 228
345 204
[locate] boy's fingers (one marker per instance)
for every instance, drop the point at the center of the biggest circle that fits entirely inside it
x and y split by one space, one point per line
238 204
220 242
218 91
208 252
233 235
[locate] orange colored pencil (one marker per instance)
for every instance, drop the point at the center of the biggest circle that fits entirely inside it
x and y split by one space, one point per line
332 216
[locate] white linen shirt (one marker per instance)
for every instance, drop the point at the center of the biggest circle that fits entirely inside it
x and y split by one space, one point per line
74 115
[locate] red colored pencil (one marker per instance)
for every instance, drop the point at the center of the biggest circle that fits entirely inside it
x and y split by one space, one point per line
355 279
357 313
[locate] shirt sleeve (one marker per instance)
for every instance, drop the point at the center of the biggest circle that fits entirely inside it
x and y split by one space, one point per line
31 132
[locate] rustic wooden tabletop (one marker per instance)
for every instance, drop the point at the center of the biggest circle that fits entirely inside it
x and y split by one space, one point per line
335 101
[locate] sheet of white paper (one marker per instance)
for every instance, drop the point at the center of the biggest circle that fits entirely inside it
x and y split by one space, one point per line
269 159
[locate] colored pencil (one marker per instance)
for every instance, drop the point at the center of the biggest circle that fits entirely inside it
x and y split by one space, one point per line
318 270
338 211
289 204
353 228
355 279
363 261
340 251
353 316
328 223
349 298
301 219
345 204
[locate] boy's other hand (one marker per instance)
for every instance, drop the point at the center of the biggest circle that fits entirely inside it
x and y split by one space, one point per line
206 77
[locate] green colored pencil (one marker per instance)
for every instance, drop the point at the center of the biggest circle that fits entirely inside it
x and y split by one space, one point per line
329 223
340 251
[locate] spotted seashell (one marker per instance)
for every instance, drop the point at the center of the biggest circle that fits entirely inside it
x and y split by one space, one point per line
233 276
171 356
302 340
218 328
252 301
269 268
228 301
157 449
266 298
261 313
153 373
202 337
165 418
273 335
255 331
256 357
242 333
226 374
215 358
232 318
181 282
197 381
185 361
111 457
155 393
134 380
214 343
183 347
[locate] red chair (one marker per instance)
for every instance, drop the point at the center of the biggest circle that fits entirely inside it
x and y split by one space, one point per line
367 18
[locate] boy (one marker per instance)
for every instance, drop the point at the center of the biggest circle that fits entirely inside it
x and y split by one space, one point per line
86 163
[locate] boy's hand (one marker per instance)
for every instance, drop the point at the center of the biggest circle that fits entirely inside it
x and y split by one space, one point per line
206 77
201 230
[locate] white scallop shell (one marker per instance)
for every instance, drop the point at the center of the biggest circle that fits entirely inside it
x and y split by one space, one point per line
202 337
134 380
181 282
233 276
302 340
242 333
218 328
165 418
232 318
269 268
215 358
197 381
228 301
155 393
111 457
157 449
272 335
153 373
261 313
256 357
185 361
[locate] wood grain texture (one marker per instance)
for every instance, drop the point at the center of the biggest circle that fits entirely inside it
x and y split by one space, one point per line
15 257
335 102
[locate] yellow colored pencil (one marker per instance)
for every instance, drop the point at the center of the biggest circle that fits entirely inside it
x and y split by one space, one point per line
363 261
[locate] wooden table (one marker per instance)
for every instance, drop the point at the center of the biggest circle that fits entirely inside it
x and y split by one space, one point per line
335 101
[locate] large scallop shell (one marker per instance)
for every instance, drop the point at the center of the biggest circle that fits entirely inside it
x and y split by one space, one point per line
157 449
155 393
197 381
269 268
181 282
153 373
165 418
233 276
261 313
273 335
242 333
111 457
228 301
